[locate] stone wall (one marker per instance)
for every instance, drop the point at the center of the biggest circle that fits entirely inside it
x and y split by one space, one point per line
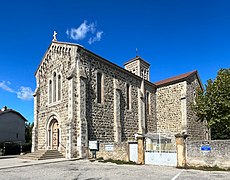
59 58
118 151
100 116
151 123
217 155
133 67
168 108
79 115
174 112
196 129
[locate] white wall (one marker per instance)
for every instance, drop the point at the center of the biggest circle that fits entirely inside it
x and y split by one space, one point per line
12 124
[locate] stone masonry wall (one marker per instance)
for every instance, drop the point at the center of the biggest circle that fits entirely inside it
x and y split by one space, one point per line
80 116
133 67
119 151
209 153
168 108
100 116
151 123
58 59
197 130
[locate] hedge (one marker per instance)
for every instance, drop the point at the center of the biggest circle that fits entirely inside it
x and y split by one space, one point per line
12 148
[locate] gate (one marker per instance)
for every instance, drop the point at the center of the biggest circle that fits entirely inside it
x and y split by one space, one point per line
160 149
133 151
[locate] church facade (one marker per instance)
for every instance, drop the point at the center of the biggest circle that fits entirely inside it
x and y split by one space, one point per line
81 97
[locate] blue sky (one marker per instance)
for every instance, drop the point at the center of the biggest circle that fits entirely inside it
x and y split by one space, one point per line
174 36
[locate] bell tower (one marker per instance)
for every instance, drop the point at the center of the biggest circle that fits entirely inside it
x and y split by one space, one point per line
139 67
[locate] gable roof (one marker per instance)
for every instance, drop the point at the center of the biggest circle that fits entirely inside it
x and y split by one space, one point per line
135 59
178 78
12 111
50 45
98 58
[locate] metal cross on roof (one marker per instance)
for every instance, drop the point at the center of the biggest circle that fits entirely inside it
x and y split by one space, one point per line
54 36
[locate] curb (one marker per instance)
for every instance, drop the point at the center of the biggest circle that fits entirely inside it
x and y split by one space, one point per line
38 162
10 156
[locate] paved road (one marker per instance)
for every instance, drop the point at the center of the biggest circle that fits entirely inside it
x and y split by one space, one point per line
85 170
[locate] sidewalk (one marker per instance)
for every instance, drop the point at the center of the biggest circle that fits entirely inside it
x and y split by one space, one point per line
9 156
14 161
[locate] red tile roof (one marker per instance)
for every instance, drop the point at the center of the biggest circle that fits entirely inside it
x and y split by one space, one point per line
176 78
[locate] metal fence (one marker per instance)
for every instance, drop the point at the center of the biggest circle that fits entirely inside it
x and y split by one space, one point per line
160 149
160 142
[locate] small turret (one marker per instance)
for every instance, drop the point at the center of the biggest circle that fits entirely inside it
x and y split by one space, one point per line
139 67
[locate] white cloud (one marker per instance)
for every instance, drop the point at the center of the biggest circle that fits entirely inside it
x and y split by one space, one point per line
85 30
24 93
67 32
4 86
80 32
95 38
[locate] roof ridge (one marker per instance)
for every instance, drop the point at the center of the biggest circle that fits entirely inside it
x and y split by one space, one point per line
175 78
14 111
136 58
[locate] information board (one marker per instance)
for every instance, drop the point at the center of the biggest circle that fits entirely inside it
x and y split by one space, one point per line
93 145
108 147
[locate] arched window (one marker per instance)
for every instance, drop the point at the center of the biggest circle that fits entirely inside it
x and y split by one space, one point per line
54 85
194 97
128 96
148 111
99 87
59 87
50 91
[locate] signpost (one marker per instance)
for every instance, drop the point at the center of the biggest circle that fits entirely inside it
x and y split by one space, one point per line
93 146
205 147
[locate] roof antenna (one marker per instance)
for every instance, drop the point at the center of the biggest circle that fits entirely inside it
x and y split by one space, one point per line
136 52
4 108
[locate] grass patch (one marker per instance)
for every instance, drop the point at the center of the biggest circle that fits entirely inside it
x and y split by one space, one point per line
100 159
119 162
205 168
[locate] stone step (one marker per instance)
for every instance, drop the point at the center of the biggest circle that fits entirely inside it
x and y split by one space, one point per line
43 154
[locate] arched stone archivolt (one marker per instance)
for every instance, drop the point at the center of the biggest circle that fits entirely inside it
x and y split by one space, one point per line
53 133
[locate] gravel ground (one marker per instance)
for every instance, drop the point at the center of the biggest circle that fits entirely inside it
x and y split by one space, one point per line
85 170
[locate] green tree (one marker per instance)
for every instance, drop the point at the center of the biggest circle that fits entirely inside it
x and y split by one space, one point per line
213 105
28 132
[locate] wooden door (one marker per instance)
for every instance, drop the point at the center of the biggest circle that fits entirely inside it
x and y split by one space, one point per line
55 136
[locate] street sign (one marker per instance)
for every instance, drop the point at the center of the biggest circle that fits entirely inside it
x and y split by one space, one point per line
205 148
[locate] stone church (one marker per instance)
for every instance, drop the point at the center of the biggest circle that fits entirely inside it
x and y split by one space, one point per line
81 97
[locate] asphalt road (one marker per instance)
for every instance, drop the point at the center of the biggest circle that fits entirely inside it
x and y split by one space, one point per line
85 170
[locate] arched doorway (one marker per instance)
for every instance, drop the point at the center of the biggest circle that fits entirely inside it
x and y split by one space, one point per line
53 134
